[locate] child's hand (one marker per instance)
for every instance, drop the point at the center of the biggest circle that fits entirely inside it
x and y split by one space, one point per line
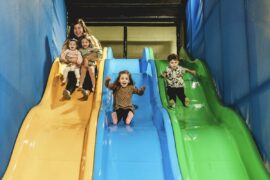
193 72
142 88
163 75
62 60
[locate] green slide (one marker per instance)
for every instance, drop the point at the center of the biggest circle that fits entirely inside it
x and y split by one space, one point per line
212 141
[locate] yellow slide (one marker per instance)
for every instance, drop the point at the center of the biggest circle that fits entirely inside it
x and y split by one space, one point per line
57 138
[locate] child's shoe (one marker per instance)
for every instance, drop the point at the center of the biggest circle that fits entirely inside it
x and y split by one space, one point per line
63 82
85 95
128 128
171 104
80 88
66 94
113 128
186 101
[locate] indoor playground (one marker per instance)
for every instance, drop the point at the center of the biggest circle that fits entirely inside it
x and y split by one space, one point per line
51 132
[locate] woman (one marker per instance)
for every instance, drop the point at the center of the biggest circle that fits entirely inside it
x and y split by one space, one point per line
77 30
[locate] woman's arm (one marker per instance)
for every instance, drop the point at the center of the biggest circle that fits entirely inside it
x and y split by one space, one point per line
95 42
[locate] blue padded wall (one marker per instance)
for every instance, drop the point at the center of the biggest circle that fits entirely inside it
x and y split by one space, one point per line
233 37
32 33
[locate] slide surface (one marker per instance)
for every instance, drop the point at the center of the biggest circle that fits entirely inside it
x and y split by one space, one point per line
57 138
213 142
144 150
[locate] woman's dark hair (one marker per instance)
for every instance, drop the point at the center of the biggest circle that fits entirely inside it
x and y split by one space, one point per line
173 57
71 34
78 21
117 83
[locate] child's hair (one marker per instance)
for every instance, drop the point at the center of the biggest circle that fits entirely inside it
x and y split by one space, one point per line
70 40
117 83
78 21
66 43
87 37
172 57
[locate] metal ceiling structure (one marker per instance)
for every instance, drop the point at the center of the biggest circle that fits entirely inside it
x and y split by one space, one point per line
132 12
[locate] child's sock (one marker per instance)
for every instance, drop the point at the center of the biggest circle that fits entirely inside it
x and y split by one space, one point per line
128 128
113 128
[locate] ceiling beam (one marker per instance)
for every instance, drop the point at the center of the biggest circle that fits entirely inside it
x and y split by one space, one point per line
121 11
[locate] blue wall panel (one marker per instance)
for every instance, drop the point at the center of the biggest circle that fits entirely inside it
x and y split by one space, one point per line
236 40
32 33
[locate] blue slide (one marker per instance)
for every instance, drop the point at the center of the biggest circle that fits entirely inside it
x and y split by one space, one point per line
146 149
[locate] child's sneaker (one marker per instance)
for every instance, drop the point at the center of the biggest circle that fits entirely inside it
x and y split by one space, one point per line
66 94
85 95
186 101
171 104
